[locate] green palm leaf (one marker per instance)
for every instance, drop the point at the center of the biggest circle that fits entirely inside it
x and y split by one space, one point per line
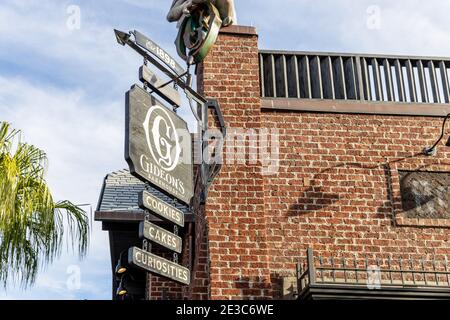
32 226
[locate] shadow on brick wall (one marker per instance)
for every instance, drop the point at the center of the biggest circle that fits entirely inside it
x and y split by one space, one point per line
253 288
343 183
321 194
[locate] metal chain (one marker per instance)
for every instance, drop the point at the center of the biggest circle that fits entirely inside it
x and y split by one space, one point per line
175 231
145 83
175 255
147 216
145 245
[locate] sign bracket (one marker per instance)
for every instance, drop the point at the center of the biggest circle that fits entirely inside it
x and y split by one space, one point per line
192 95
210 171
125 39
168 211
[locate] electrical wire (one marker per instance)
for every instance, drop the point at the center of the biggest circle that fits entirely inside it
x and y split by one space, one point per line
429 150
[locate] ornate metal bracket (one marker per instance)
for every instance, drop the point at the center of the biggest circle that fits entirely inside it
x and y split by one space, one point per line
198 33
198 104
209 171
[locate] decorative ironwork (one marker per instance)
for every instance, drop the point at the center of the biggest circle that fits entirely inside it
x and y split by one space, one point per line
198 33
372 273
199 25
425 194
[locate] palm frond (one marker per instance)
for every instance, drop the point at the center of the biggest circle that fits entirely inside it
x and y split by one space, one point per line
32 225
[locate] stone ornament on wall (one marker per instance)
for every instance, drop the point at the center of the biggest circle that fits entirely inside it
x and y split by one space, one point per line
199 23
420 194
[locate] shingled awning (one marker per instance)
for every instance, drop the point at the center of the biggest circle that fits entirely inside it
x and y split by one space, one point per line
119 199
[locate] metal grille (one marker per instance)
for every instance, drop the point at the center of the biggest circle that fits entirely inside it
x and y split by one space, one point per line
303 75
369 272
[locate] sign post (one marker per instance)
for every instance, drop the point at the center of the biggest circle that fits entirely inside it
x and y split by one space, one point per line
158 150
148 44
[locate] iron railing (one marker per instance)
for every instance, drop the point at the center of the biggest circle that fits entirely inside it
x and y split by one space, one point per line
304 75
373 272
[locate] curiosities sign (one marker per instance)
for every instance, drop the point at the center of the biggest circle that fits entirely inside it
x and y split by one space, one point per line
152 263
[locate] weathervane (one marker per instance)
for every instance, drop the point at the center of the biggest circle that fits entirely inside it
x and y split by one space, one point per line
199 23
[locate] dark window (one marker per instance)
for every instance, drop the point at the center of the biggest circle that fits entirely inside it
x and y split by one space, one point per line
425 194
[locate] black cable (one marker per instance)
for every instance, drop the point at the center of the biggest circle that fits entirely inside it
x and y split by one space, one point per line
430 150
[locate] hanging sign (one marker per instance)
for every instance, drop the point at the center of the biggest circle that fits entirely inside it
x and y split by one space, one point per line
157 265
158 145
160 208
148 44
161 236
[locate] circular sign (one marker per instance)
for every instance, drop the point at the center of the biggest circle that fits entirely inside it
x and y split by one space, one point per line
162 138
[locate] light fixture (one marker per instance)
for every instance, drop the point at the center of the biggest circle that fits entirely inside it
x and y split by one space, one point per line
131 285
121 266
121 289
431 151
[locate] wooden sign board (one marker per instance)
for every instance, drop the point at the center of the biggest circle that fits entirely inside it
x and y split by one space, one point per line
160 236
160 208
148 44
159 266
158 145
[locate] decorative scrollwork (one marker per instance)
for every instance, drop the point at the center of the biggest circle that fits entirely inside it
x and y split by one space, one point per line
198 33
199 25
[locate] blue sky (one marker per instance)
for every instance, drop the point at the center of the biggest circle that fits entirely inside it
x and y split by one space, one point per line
65 87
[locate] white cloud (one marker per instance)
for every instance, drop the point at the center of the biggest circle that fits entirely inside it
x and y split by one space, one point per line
52 283
154 5
83 142
43 43
79 137
410 27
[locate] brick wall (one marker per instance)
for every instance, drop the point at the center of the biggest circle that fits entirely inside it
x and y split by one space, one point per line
337 189
236 233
